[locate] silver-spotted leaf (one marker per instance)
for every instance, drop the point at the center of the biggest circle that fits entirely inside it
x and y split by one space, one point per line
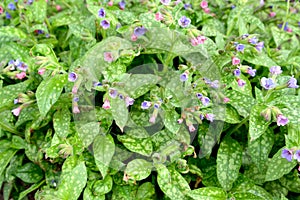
208 193
142 146
138 169
257 124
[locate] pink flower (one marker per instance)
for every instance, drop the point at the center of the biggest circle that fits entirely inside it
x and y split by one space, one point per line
108 57
106 104
226 100
74 89
110 3
241 82
58 8
282 120
206 10
201 39
289 30
191 128
16 111
21 75
272 14
204 4
194 42
129 101
134 37
235 61
158 16
76 109
41 71
152 119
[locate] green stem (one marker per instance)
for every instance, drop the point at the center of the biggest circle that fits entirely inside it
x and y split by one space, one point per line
286 14
238 126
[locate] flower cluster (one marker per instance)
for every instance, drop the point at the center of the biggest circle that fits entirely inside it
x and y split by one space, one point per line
290 154
105 24
17 69
280 119
156 105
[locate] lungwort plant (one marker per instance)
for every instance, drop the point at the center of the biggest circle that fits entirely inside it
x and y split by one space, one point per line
143 99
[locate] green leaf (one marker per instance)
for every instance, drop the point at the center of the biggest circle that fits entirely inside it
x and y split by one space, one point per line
87 132
246 196
30 173
246 89
260 148
291 181
72 180
5 158
31 189
138 169
278 166
251 188
208 193
104 149
259 95
88 195
61 122
9 33
262 60
146 191
166 184
229 161
119 112
49 91
232 115
18 142
170 120
142 146
252 20
101 187
39 11
279 36
257 124
138 84
124 192
28 114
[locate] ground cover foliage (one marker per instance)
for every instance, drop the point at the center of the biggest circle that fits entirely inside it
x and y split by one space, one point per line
149 99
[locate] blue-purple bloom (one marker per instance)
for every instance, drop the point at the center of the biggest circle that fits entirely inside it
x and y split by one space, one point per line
139 31
237 72
113 93
297 155
215 84
105 24
210 117
76 99
275 70
241 82
129 101
205 101
145 105
184 21
253 40
122 4
11 6
7 15
259 46
199 95
101 13
245 36
165 2
287 154
285 26
251 71
72 77
16 101
267 83
292 83
29 2
240 47
156 106
187 6
183 77
281 120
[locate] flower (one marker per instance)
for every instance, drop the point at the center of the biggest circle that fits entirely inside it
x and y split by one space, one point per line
158 16
287 154
241 82
235 60
187 6
1 10
297 156
76 99
184 21
129 101
210 117
29 2
76 109
122 4
108 57
133 37
237 72
110 3
206 10
204 4
74 89
152 119
22 67
282 120
240 47
106 104
11 6
191 128
253 40
165 2
275 70
113 93
267 83
72 77
205 101
139 31
184 77
41 71
16 101
21 75
267 114
16 111
7 15
251 71
101 13
272 14
201 39
244 36
226 99
292 83
105 24
199 95
194 41
145 105
179 121
259 46
215 84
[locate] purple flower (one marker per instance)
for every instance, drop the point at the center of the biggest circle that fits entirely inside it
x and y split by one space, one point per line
122 4
253 40
165 2
16 101
22 67
187 6
76 99
210 117
245 36
282 120
139 31
251 71
29 2
240 47
101 13
121 96
241 82
287 154
105 24
72 77
215 84
201 116
129 101
199 95
285 26
205 101
184 77
259 46
156 106
275 70
292 83
11 6
113 93
297 155
237 72
184 22
267 83
145 105
7 15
